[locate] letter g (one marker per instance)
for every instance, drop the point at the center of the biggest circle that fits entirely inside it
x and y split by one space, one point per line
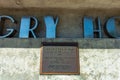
9 30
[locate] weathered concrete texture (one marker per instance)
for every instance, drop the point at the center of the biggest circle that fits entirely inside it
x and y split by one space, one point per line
72 4
24 63
19 64
82 43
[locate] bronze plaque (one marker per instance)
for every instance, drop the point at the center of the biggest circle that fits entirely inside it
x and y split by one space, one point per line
59 60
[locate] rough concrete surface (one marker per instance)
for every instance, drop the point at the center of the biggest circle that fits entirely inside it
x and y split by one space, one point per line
23 64
72 4
99 59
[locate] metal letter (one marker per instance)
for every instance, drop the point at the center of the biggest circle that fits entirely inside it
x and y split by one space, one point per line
88 27
111 28
99 30
50 26
89 31
25 27
9 30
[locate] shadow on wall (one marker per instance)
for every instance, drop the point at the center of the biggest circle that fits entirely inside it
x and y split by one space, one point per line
82 43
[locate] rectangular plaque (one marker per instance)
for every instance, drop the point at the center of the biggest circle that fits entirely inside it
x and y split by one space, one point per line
59 59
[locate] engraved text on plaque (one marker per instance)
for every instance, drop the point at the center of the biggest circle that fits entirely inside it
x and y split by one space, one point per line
59 60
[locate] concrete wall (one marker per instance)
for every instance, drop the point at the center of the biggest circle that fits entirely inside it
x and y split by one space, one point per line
20 59
70 13
70 4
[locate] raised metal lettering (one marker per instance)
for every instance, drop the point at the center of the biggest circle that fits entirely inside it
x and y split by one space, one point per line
9 30
25 27
111 27
50 26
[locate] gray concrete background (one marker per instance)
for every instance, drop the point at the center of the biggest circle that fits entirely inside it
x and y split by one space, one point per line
83 43
20 59
73 4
